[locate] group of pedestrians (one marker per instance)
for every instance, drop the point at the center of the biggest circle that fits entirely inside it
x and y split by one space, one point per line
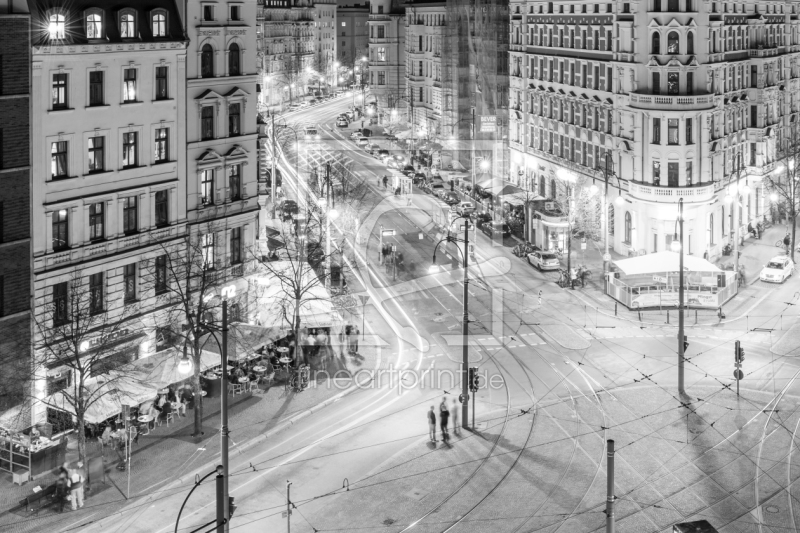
69 486
444 420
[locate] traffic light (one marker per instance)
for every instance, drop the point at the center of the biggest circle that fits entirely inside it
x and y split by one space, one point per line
738 353
231 507
685 343
474 379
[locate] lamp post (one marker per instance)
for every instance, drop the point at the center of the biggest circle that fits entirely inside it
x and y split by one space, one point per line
679 248
607 174
330 204
732 198
464 398
224 438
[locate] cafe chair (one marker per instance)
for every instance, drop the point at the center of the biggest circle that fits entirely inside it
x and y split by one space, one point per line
253 384
269 378
235 388
167 415
144 429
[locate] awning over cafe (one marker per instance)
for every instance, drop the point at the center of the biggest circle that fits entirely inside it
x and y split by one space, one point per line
110 396
161 369
245 339
663 262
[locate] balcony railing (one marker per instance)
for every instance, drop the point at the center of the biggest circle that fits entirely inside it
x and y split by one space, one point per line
652 193
672 102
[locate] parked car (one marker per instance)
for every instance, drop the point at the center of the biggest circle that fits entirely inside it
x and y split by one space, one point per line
778 269
451 198
399 158
311 134
437 189
355 135
494 228
382 153
544 260
313 101
362 141
303 104
481 218
288 208
465 208
391 163
408 170
341 123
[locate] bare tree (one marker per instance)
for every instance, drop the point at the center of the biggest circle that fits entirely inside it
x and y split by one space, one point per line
785 182
577 201
77 332
187 279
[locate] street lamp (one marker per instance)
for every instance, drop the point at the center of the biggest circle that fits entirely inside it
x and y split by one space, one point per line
732 198
607 174
464 398
678 236
333 214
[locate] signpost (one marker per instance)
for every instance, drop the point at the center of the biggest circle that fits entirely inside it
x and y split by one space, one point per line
488 123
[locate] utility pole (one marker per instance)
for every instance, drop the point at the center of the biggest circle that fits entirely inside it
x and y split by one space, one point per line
288 507
681 344
610 486
224 416
221 499
273 178
465 334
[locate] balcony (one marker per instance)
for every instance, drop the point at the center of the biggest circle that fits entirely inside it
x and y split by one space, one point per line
650 193
664 102
766 52
374 18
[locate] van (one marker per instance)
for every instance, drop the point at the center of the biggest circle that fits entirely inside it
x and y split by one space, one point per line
312 134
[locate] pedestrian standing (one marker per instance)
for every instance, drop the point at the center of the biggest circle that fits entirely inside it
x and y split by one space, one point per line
444 417
76 489
356 332
62 492
455 416
432 424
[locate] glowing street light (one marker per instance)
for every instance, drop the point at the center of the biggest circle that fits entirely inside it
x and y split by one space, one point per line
485 165
185 366
773 197
593 190
620 201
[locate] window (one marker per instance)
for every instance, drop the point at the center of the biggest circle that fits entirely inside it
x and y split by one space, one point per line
752 156
628 227
380 10
96 293
207 123
126 26
60 301
233 60
656 131
690 83
96 88
656 173
235 181
673 81
60 229
96 222
672 131
129 281
94 26
129 85
161 148
57 26
129 149
381 54
689 174
381 32
58 159
655 44
60 91
690 43
206 61
672 174
689 132
656 88
130 215
161 83
159 25
236 246
96 154
236 13
207 187
161 274
672 43
234 125
208 13
207 247
381 78
162 209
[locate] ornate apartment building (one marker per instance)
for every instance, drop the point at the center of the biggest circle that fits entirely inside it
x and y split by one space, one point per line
673 92
425 32
287 44
107 163
325 26
352 35
387 61
221 135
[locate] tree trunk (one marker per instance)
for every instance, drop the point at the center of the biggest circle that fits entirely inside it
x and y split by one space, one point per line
82 444
198 396
794 231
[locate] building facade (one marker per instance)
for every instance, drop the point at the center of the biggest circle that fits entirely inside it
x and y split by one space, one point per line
15 196
286 49
326 68
673 94
352 36
425 31
107 164
387 61
221 134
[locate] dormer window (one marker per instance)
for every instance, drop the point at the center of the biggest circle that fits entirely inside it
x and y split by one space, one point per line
94 25
127 25
57 26
159 24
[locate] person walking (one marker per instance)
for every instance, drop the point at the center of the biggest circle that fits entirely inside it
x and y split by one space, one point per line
432 424
355 339
76 488
456 429
62 491
444 417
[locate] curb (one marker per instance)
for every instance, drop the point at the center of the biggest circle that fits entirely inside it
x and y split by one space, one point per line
232 453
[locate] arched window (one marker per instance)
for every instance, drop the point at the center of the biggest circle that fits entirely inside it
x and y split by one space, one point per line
126 26
94 26
628 227
552 188
159 25
542 185
206 61
655 46
690 43
233 60
672 43
57 26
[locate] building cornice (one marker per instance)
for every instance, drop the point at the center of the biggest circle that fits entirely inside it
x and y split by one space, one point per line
109 48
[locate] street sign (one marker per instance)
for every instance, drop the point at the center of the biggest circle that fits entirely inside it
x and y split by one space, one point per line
583 245
606 257
488 123
738 374
394 247
421 236
659 279
463 399
388 233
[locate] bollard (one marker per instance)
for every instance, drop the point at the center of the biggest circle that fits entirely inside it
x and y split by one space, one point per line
640 316
615 308
667 316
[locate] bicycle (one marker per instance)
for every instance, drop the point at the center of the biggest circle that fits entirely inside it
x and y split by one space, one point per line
299 380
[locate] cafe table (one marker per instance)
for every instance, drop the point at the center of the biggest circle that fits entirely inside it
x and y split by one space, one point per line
147 419
259 369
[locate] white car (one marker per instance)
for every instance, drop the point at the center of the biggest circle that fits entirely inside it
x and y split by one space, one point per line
362 141
777 270
544 260
464 208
